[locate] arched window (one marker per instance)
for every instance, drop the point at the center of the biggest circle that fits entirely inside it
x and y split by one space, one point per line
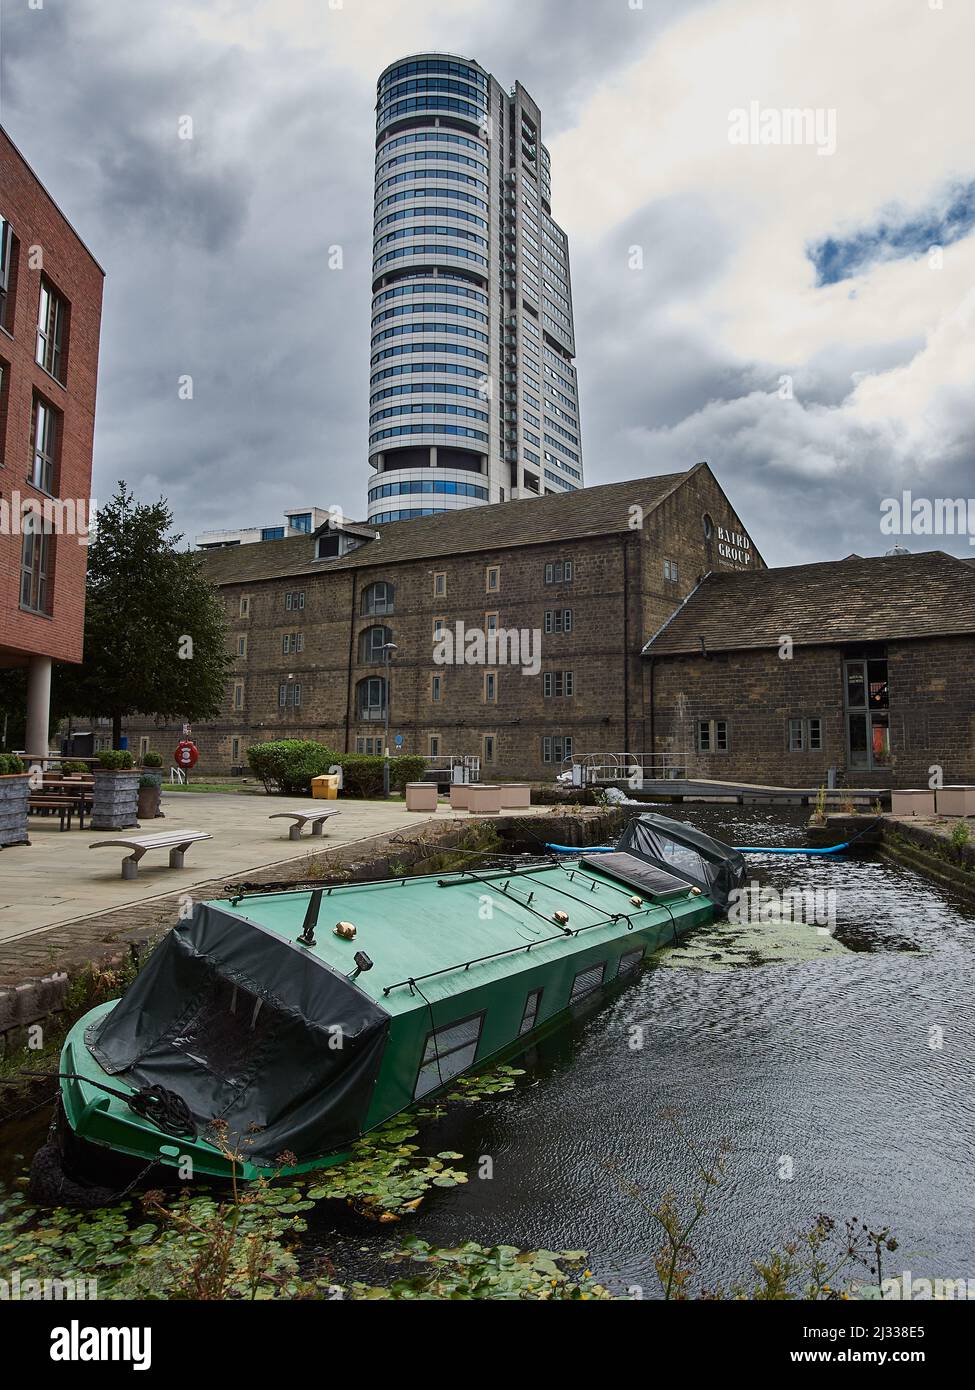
371 643
370 698
377 600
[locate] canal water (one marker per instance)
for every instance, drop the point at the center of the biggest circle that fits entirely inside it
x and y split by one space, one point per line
820 1067
838 1066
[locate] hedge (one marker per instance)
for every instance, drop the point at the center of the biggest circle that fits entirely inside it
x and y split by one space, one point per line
288 765
362 773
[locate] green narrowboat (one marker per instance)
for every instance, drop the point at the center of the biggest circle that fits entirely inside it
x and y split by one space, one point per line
281 1027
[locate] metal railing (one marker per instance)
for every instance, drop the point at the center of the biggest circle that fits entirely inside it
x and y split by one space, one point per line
603 769
454 767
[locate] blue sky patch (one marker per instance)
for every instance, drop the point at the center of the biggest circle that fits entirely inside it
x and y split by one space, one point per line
895 238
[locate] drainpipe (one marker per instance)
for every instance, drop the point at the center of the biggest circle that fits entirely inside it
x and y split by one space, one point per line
348 682
652 732
624 546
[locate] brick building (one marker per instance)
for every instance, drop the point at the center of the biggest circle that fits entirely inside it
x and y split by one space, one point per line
865 665
50 316
586 575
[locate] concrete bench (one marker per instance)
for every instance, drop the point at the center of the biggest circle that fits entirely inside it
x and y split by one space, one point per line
515 796
483 799
912 802
176 841
315 816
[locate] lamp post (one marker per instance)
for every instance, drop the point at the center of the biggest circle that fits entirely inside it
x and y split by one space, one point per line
387 649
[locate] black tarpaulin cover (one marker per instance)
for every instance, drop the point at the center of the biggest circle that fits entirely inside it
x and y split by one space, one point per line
715 868
251 1030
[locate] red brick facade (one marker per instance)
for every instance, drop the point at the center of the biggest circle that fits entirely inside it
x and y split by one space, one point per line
44 251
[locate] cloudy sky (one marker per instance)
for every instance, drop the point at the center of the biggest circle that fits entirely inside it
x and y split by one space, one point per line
775 310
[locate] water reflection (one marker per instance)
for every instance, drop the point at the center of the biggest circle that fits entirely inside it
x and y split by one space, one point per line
825 1061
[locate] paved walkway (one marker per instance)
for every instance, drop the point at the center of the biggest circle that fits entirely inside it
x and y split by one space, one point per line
58 878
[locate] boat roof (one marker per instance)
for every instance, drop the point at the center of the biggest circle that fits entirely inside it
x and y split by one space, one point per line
454 932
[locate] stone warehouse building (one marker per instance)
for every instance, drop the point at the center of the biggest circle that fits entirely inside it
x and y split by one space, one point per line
583 577
865 665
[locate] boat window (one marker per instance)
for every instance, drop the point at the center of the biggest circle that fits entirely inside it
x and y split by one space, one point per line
629 961
447 1052
530 1016
586 981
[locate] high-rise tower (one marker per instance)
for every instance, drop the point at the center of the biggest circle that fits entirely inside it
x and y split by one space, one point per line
472 391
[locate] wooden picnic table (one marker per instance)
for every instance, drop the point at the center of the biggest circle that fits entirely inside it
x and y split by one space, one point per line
65 797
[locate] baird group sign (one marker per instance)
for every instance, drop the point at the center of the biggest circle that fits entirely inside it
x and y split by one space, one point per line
734 546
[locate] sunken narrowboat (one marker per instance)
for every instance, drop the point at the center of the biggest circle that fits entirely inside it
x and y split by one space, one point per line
267 1033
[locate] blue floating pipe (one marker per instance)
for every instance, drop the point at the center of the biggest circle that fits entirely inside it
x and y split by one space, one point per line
583 849
774 849
742 849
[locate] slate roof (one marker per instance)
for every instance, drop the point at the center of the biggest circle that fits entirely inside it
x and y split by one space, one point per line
929 594
591 511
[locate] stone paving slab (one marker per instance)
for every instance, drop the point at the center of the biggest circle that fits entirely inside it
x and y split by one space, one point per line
58 878
102 918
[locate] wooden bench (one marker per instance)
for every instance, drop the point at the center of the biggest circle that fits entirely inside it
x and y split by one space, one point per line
176 841
315 816
64 805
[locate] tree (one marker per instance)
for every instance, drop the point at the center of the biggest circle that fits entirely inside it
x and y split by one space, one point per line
155 630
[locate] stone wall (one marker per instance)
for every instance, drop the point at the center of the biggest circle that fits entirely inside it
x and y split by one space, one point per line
618 596
932 718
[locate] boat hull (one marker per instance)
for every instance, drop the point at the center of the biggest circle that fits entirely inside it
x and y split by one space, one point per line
563 972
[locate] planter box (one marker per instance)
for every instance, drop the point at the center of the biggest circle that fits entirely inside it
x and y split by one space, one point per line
956 801
14 793
918 802
458 795
116 799
515 796
421 796
156 773
483 799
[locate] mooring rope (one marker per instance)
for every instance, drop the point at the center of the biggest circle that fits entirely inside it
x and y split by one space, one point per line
162 1107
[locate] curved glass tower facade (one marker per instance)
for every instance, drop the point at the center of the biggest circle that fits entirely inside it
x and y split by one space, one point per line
472 389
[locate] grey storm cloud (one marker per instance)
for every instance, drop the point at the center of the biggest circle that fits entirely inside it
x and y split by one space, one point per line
219 253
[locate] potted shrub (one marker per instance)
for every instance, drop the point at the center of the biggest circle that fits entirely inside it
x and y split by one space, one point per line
152 772
116 791
14 794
